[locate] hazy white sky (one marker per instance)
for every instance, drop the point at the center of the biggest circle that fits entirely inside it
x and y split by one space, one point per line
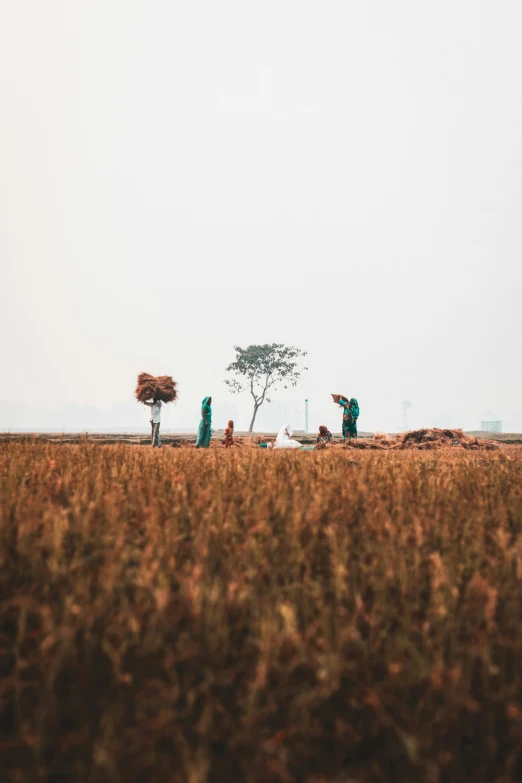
177 178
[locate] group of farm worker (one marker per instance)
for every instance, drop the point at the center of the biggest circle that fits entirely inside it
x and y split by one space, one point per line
349 427
350 416
205 425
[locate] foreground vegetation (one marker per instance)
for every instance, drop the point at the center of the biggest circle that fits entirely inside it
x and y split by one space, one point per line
173 615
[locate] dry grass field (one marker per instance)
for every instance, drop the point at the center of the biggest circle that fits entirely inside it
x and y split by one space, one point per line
172 616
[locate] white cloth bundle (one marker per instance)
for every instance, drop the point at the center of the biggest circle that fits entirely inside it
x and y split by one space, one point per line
283 439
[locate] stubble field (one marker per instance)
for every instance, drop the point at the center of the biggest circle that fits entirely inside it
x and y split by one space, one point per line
176 615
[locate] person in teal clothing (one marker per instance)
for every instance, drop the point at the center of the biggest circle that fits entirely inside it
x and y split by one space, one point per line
205 425
350 416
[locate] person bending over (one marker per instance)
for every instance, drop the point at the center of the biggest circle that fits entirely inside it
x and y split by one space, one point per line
325 436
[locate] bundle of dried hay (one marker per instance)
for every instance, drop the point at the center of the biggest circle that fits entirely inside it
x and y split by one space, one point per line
432 439
164 385
258 439
364 443
218 444
384 439
253 440
435 438
337 397
422 436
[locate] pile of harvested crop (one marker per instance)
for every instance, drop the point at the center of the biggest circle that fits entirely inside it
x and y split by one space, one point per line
435 438
163 385
366 443
424 440
384 438
253 440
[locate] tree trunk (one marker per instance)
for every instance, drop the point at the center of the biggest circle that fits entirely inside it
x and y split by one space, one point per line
256 408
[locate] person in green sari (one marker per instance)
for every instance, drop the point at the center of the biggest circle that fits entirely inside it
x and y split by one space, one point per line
205 425
350 416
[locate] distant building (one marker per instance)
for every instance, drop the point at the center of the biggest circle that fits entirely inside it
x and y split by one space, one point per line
491 426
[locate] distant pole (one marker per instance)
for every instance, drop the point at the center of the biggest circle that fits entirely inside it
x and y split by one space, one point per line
306 417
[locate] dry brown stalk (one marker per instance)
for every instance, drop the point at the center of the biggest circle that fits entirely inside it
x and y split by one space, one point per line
233 615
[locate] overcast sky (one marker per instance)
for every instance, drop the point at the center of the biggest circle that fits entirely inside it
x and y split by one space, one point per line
177 178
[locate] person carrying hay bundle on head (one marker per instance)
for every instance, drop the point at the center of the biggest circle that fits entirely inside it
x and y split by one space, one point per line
325 436
350 415
229 434
161 389
155 419
205 425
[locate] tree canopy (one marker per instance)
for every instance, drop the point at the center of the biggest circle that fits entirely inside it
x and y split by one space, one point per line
259 368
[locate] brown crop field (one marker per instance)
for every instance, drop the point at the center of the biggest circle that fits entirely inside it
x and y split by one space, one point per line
181 616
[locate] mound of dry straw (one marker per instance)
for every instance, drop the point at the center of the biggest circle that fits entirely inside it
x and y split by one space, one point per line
423 440
149 384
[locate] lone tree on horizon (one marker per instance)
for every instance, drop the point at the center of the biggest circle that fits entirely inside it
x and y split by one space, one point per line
263 367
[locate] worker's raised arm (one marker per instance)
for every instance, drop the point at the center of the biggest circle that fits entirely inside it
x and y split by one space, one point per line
150 404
